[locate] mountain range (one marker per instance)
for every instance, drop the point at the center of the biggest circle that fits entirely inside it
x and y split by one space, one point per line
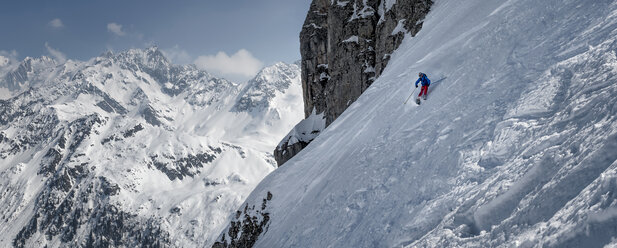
128 149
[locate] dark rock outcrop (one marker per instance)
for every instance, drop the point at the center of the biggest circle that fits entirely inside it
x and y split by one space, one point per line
246 226
183 167
287 150
345 46
299 137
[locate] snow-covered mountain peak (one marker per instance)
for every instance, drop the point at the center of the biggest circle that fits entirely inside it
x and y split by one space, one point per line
151 57
154 70
264 87
278 74
40 62
107 54
29 72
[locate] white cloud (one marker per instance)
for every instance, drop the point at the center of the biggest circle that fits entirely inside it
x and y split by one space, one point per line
8 62
11 54
115 28
240 66
56 23
4 61
7 58
56 54
177 55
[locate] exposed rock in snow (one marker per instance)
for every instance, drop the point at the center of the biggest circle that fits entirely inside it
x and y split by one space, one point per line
299 137
246 226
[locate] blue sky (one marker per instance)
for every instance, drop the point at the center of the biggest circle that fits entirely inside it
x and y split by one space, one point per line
252 33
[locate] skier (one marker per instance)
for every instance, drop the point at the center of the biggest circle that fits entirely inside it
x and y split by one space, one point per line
425 83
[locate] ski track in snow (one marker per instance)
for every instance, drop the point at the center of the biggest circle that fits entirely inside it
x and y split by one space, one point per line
516 147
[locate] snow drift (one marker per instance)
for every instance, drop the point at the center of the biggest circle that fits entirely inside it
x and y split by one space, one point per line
515 146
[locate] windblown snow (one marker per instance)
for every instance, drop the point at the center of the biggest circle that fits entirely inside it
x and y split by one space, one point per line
516 145
129 150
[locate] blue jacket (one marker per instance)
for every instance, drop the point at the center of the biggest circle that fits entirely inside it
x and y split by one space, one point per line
425 81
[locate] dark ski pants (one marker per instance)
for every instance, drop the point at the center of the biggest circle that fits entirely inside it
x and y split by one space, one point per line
423 90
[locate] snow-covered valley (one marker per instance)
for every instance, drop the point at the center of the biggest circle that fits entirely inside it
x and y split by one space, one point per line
128 149
516 145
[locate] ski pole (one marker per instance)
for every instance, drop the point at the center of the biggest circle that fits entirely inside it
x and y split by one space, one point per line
414 91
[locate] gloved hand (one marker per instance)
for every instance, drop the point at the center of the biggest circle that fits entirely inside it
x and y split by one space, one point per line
416 86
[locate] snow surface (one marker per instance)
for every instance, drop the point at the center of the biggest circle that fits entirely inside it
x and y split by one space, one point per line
305 131
365 12
400 27
353 38
515 146
340 3
384 7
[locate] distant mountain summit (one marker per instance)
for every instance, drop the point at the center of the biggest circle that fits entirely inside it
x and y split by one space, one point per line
30 71
269 82
128 149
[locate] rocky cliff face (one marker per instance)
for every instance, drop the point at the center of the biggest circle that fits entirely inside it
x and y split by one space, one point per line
345 45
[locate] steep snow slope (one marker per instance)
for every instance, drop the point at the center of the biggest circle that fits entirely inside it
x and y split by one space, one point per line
516 145
129 150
